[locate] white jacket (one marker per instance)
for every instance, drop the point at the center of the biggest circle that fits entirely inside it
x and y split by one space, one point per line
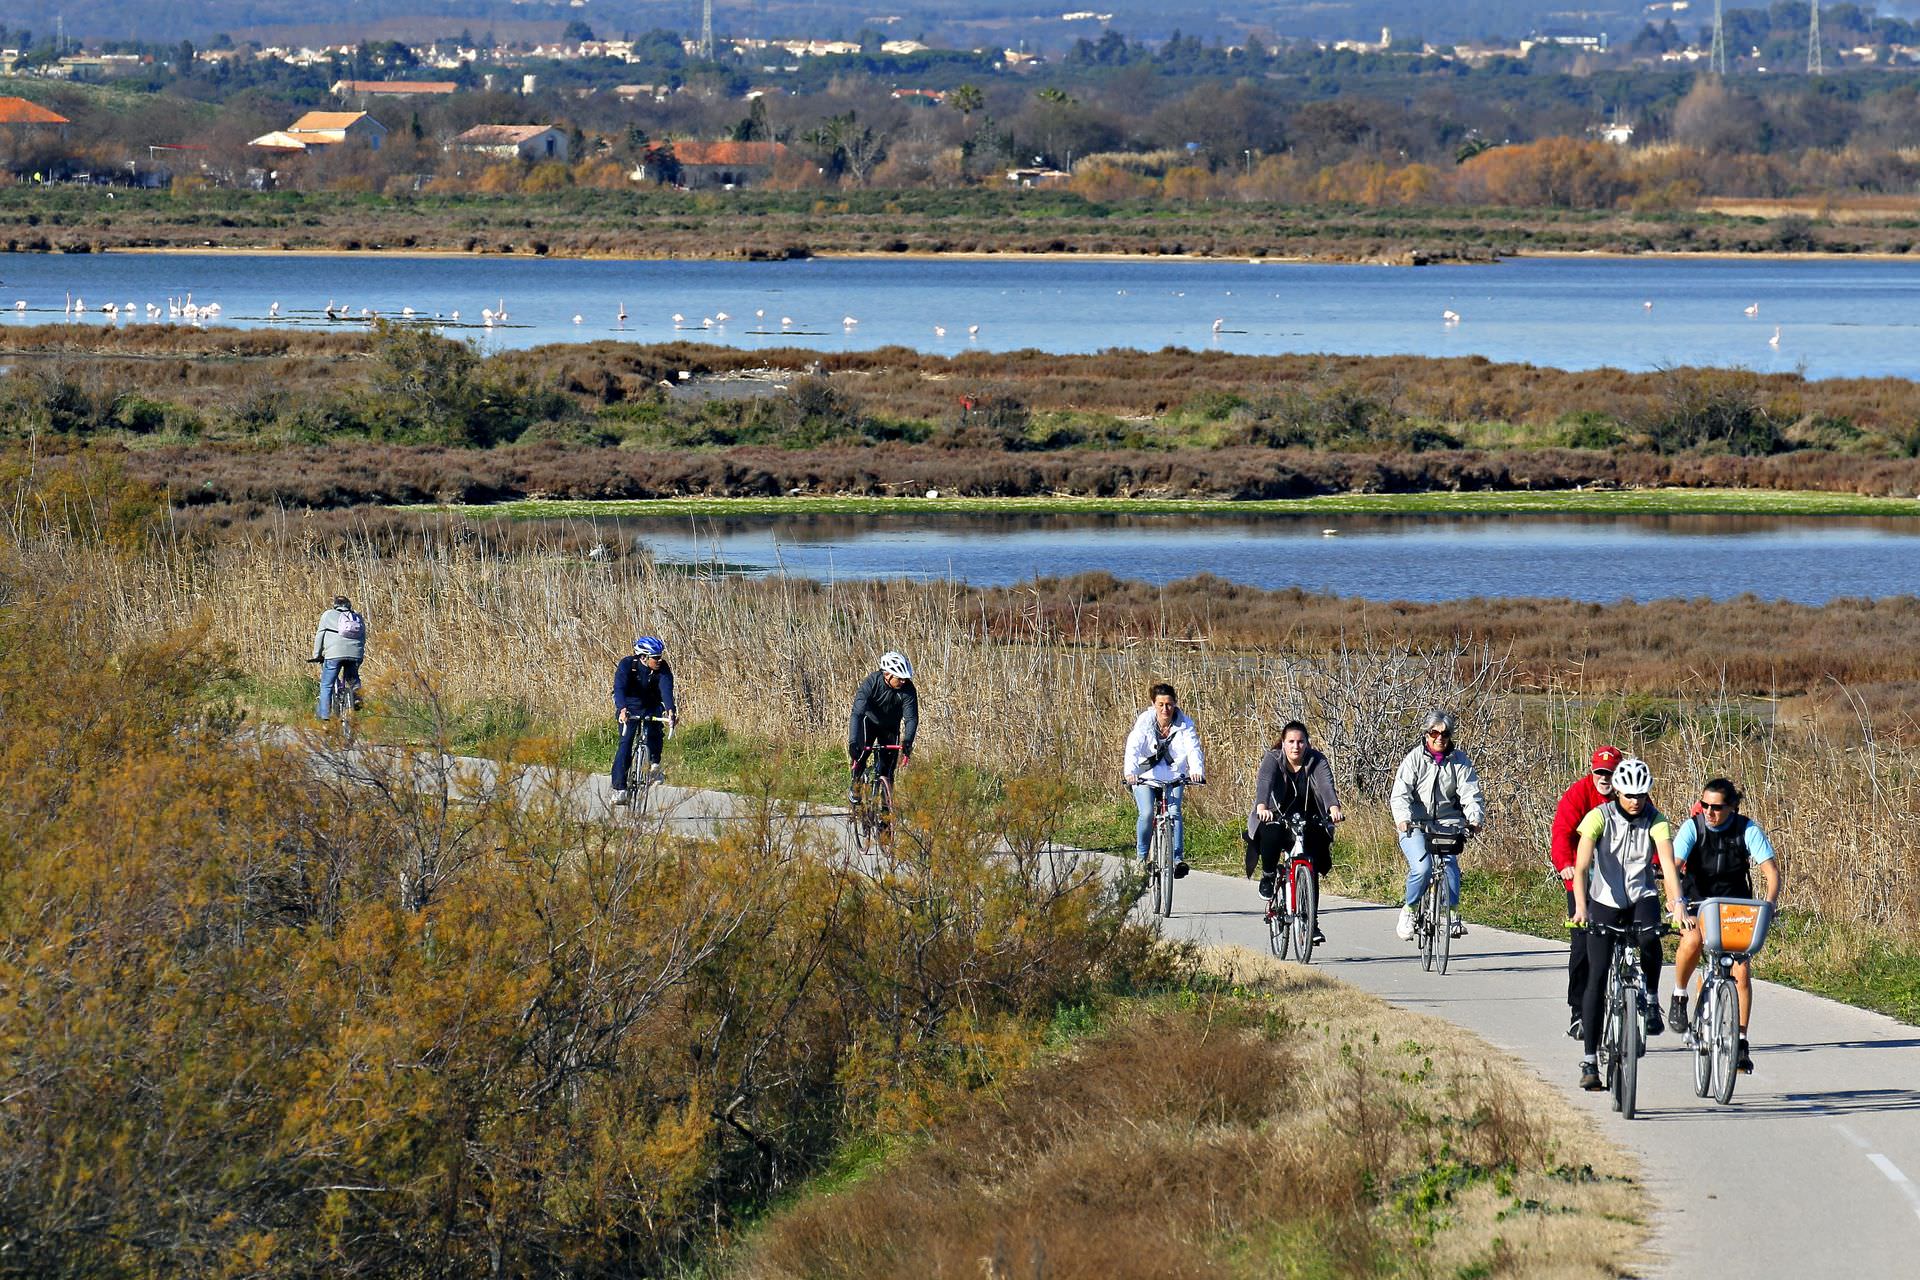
1447 793
1183 752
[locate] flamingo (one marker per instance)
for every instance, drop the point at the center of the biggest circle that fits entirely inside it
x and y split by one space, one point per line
939 331
21 305
1753 309
1450 316
112 308
678 319
1774 341
406 312
576 317
707 323
973 331
1219 324
722 316
1647 305
273 312
455 317
786 322
761 314
500 311
848 321
621 318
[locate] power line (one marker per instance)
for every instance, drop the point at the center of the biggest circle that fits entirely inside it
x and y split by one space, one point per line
1717 60
1816 65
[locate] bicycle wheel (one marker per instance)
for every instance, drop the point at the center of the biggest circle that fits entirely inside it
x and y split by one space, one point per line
1630 1027
1163 864
1726 1042
1430 922
1443 928
1303 912
1279 934
640 773
1698 1040
348 702
880 812
857 816
1610 1041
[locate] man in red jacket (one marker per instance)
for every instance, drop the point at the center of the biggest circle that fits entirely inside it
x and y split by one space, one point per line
1583 797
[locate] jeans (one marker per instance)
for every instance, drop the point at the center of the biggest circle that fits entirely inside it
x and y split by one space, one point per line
624 754
1413 847
1144 796
349 668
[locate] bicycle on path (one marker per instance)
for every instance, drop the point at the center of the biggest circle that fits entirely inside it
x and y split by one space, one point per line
1161 848
1431 919
1293 912
641 765
1624 1040
1732 931
345 698
870 813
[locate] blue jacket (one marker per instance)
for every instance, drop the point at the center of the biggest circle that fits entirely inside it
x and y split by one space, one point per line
638 691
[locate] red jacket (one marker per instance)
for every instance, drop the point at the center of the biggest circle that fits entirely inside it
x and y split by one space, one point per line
1579 800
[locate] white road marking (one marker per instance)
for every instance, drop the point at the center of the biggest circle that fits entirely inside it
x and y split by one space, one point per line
1897 1178
1853 1137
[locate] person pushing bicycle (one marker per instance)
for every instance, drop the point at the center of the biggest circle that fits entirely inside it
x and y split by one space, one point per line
340 646
642 698
1162 753
886 713
1435 784
1625 856
1295 778
1716 850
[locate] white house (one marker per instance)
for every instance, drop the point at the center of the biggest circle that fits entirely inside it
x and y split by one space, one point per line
318 129
516 141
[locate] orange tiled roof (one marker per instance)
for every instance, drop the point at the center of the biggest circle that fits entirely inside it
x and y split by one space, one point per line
322 121
740 153
20 111
404 87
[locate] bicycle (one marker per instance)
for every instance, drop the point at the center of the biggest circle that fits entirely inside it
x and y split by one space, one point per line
1293 912
345 697
640 762
1732 931
1432 931
1624 1040
1160 847
871 811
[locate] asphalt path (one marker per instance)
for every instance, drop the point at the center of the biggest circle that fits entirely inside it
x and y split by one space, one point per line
1814 1168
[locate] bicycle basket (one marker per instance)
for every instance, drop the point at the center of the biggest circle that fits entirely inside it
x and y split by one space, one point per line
1735 926
1445 846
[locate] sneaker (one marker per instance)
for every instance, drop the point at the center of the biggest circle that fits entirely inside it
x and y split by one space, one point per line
1590 1076
1403 927
1654 1025
1745 1064
1179 868
1454 928
1319 938
1266 885
853 799
622 797
1677 1011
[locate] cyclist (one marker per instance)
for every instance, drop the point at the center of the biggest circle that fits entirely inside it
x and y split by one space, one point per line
1435 783
1583 797
642 690
886 712
1717 848
339 645
1294 778
1614 883
1163 747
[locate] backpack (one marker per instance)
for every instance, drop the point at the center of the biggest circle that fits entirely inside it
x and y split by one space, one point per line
352 625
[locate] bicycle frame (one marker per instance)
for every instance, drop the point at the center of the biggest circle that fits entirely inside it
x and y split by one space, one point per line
1431 924
1624 1038
1160 850
1294 906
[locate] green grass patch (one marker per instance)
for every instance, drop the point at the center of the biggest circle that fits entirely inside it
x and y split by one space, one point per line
1604 502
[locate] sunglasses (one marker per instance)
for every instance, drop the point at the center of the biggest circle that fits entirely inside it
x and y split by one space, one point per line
1438 733
1603 773
1715 808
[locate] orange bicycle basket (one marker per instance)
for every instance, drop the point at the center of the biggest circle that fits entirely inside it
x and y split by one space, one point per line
1734 926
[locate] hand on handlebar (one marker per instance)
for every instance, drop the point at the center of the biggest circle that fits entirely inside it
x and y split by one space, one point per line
1579 915
1132 779
1336 814
1263 813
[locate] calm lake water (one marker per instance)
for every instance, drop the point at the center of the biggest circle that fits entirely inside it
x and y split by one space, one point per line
1376 558
1836 318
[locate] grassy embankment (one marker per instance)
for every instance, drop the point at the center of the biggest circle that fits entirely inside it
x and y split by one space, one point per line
765 224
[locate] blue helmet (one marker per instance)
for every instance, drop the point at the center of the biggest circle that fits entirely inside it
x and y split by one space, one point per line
650 647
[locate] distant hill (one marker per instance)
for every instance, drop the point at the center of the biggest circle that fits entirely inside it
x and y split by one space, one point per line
948 22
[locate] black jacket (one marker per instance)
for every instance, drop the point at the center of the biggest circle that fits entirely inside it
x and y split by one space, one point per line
638 691
894 713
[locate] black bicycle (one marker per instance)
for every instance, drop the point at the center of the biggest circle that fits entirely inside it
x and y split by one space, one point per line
1432 925
871 812
1624 1039
640 763
1293 909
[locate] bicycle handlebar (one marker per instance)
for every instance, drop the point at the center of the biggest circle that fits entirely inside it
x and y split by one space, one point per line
1635 933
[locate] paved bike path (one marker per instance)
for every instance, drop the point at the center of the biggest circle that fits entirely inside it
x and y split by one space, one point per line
1814 1169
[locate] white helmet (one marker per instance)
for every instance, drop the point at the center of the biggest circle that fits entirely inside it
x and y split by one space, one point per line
894 663
1631 777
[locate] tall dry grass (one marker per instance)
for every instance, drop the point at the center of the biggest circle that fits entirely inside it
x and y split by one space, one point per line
1053 689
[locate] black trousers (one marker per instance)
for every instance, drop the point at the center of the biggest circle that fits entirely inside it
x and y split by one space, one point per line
1576 963
1600 960
1274 840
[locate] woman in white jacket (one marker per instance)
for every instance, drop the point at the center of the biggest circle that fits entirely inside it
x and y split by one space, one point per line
1435 783
1163 748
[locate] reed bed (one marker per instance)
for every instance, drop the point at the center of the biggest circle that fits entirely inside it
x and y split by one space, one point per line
1042 690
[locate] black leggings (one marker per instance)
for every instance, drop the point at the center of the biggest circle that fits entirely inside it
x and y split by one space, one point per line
1275 839
1600 960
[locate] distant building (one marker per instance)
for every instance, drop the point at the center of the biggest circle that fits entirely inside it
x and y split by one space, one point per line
1617 132
21 119
727 164
1038 177
320 129
515 141
392 88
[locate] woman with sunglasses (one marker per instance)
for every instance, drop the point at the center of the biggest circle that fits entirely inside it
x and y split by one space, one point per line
1434 784
1716 850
